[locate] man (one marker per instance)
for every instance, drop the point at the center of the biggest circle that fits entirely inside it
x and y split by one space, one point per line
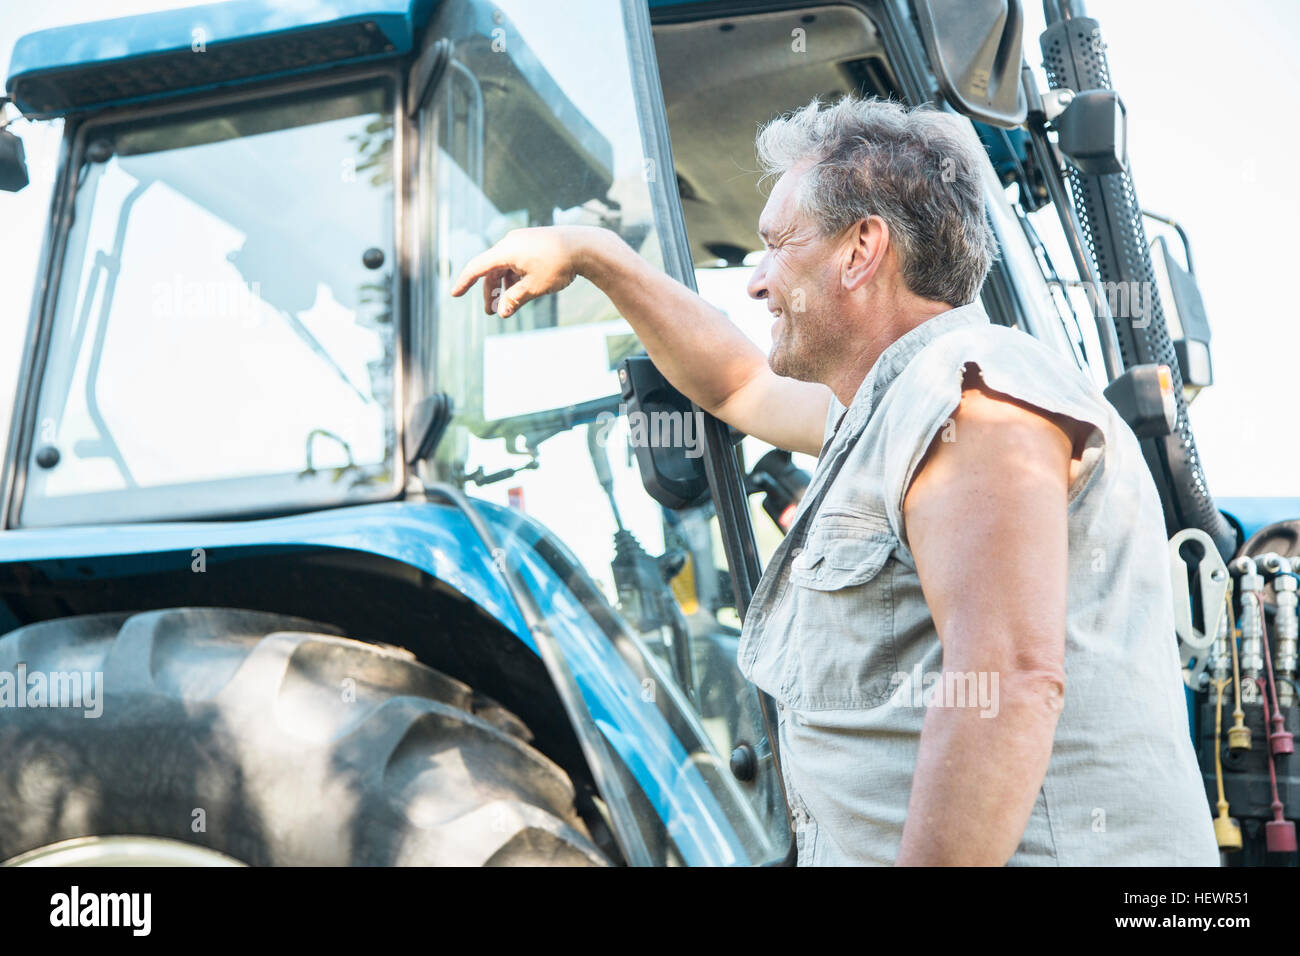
968 629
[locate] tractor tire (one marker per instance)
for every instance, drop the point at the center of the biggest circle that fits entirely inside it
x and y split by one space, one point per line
272 741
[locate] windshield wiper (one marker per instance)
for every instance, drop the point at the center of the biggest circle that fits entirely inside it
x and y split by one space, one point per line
305 336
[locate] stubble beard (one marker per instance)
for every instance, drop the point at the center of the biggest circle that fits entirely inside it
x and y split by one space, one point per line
797 357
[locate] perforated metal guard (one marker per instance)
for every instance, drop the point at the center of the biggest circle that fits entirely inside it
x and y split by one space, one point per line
1111 218
178 71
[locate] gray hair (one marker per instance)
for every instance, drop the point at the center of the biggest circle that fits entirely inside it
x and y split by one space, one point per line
918 170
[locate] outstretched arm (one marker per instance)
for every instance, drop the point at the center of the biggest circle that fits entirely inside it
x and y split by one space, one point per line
697 348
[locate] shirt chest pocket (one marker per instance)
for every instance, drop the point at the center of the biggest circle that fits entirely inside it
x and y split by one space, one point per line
840 651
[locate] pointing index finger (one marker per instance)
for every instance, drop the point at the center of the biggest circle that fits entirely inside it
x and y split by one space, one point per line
475 269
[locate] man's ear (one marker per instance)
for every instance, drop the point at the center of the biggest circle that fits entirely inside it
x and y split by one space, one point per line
868 242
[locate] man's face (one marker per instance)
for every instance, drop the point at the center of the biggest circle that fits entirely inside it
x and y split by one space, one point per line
798 277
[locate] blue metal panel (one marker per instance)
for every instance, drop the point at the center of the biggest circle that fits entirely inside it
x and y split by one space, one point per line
1255 513
43 63
438 540
434 538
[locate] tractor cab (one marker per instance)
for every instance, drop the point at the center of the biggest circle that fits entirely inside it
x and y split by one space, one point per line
243 351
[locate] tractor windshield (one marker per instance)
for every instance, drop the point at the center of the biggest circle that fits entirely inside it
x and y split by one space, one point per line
223 340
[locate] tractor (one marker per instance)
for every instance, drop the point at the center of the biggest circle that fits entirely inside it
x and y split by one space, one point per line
305 561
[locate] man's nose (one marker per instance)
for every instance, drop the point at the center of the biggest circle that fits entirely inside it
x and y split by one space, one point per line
757 287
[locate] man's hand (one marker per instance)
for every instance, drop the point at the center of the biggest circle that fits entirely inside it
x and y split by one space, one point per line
986 522
526 264
693 344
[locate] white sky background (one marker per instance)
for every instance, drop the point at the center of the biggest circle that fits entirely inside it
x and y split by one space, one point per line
1211 143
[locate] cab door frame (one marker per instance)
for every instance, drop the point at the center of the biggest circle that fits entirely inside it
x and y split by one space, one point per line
721 460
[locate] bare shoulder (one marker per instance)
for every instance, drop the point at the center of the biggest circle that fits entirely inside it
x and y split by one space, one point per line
994 447
992 411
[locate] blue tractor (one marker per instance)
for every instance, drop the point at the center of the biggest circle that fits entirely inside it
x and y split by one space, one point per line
306 561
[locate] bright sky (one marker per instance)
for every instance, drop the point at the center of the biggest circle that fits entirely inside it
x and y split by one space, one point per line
1207 147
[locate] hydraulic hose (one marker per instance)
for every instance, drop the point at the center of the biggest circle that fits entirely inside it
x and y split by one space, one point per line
1227 832
1238 733
1279 833
1279 740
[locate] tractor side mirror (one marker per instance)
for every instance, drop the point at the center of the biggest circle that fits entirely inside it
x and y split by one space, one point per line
426 423
1190 328
674 477
13 163
974 49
